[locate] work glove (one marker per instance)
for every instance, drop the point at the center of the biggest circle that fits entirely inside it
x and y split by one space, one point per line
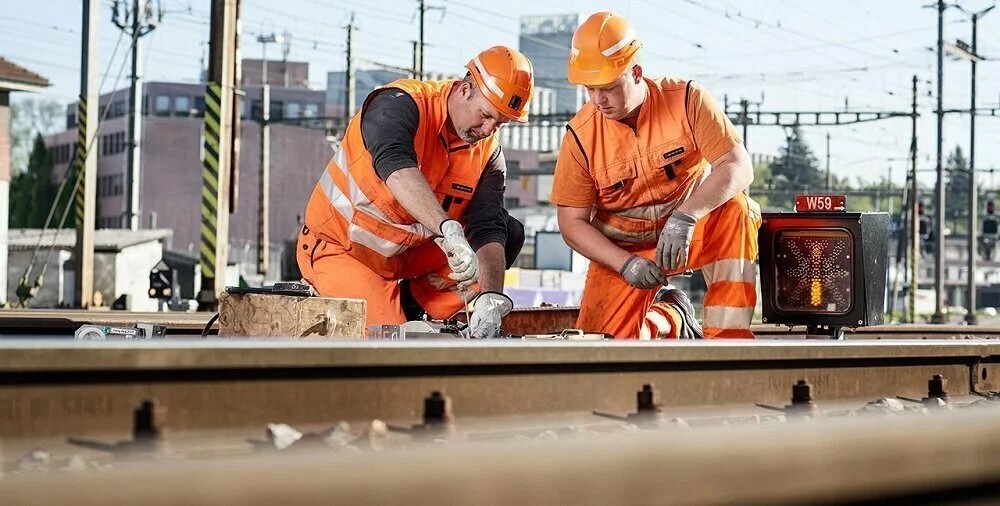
462 260
675 240
642 273
487 311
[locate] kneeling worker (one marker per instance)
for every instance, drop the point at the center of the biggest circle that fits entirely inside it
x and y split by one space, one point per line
415 192
635 196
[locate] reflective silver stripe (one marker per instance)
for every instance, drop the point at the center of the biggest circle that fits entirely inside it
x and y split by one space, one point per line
489 80
373 242
731 269
336 197
727 317
358 201
621 236
629 37
652 212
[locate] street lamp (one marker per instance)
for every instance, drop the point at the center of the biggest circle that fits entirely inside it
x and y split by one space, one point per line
263 225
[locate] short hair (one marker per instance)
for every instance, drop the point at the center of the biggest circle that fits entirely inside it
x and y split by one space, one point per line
472 84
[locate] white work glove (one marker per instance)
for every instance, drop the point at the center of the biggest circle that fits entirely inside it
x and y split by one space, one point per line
675 239
487 311
642 273
462 260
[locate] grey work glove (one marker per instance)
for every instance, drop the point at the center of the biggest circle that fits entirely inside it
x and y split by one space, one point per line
675 240
461 258
487 311
642 273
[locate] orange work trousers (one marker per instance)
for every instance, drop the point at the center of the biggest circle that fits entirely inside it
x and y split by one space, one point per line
333 272
724 248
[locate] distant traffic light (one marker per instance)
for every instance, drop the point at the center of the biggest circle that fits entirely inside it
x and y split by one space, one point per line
161 281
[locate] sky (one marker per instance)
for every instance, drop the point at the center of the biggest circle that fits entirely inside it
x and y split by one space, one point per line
788 55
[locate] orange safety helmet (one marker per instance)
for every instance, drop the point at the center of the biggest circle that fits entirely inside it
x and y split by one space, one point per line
603 47
506 80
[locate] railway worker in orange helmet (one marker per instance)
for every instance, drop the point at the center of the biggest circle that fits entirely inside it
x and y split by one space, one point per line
409 213
650 182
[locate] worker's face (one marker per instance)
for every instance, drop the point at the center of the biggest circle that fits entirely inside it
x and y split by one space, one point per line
476 119
621 98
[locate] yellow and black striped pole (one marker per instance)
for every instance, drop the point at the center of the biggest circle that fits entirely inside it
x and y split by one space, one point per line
83 168
210 189
79 162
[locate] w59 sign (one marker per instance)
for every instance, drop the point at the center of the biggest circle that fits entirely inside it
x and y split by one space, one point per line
820 203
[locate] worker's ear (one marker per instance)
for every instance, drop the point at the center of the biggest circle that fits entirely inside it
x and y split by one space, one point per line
637 73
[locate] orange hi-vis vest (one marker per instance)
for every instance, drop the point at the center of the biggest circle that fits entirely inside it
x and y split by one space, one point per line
641 176
353 207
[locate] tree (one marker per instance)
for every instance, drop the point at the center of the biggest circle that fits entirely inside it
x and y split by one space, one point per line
30 117
31 191
796 169
957 190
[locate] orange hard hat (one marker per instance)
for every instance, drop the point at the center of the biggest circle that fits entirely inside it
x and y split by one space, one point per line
603 47
506 80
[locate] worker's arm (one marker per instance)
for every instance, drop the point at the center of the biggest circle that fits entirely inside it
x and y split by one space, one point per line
731 173
721 145
415 195
486 222
491 267
388 126
584 238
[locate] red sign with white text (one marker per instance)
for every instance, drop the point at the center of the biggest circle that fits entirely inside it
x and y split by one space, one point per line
820 203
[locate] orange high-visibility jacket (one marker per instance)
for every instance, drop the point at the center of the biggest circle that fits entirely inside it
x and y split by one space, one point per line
354 208
640 180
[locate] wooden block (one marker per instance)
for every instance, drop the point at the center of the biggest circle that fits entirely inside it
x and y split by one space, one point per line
259 315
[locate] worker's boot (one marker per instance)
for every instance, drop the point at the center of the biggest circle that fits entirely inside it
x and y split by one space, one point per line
670 316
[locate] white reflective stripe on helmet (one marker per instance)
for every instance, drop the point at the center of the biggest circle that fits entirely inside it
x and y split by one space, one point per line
489 80
626 40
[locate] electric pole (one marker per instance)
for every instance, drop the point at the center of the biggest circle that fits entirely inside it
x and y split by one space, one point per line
420 69
136 24
971 318
85 161
220 101
349 88
829 179
914 214
939 211
421 45
415 73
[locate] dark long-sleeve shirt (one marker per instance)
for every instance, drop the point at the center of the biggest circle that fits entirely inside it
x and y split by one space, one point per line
389 124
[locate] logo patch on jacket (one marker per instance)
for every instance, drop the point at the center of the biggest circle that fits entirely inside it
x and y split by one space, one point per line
461 187
673 152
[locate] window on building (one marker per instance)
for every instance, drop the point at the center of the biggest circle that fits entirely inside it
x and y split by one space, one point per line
513 168
117 184
71 120
256 110
311 110
182 105
293 110
277 110
162 105
199 104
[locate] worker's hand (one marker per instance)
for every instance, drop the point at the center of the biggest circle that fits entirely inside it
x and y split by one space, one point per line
642 273
675 239
462 260
487 311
